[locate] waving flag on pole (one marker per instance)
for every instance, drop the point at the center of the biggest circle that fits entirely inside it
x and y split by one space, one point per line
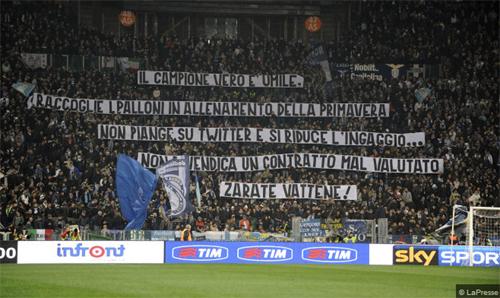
175 176
135 186
198 192
461 215
422 93
23 88
318 57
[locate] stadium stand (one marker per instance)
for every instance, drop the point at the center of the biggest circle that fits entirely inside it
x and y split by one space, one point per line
57 172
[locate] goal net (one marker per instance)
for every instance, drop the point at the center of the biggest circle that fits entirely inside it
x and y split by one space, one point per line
483 226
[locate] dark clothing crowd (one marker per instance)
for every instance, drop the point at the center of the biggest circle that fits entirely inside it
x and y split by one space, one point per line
56 172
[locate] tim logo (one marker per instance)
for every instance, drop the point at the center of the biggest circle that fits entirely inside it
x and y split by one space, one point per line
329 254
263 253
197 253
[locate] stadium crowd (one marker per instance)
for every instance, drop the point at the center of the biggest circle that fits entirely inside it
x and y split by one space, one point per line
56 171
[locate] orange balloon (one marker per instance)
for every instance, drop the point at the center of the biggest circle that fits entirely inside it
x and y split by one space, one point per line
313 24
127 18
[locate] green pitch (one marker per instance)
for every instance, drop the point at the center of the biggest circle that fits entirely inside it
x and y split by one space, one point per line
211 280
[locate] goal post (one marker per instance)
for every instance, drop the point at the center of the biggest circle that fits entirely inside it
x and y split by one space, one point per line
483 226
458 217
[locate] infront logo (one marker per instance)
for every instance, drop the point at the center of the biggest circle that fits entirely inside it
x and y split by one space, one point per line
205 253
330 254
265 253
418 256
96 251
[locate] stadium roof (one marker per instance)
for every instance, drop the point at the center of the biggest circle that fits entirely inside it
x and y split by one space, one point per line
245 7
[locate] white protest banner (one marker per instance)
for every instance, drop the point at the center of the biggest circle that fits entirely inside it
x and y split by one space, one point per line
257 135
300 161
287 191
179 78
205 108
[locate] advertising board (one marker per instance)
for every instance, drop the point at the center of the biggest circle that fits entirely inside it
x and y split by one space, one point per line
250 252
381 254
415 255
8 252
484 256
156 252
82 252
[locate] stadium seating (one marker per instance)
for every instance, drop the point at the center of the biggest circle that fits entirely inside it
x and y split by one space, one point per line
57 172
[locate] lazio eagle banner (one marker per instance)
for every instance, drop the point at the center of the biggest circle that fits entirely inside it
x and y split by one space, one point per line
179 78
208 108
258 135
287 191
301 161
175 176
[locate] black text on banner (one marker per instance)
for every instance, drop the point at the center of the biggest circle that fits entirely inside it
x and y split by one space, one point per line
287 191
258 135
301 161
177 78
206 108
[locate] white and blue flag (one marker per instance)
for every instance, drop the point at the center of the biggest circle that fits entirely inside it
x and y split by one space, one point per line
175 176
319 57
461 215
23 88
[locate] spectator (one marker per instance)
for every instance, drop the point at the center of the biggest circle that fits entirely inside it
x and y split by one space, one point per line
200 225
244 224
475 198
186 234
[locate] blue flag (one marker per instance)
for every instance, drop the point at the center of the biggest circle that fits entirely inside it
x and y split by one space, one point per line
175 176
24 88
135 186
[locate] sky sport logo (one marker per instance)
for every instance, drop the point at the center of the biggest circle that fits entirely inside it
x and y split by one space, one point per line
203 253
95 251
463 258
418 255
329 254
265 253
